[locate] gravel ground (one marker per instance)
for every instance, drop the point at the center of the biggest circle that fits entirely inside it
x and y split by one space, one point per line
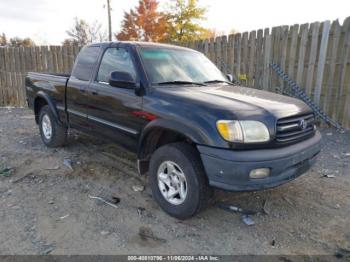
45 206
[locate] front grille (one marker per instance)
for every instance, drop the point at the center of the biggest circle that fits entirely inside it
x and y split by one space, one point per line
295 128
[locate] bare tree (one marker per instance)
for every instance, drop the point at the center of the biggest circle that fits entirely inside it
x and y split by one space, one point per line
83 33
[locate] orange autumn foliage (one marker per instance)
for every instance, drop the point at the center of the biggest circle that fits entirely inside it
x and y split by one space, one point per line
144 23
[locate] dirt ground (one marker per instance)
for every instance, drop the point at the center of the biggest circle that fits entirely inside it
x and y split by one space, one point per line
45 206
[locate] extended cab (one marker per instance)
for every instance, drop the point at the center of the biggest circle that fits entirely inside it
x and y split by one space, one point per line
192 128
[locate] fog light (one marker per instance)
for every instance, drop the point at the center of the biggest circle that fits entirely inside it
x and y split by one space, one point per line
259 173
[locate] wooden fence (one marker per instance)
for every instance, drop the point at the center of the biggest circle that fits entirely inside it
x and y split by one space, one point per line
316 55
15 62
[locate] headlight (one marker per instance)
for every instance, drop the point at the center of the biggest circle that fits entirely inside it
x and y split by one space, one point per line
243 131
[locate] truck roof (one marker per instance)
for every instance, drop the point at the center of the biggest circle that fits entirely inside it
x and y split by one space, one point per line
140 43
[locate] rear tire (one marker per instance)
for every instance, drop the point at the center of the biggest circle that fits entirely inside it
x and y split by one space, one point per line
52 133
173 163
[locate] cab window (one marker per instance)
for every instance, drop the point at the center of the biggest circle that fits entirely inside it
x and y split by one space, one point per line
85 62
115 59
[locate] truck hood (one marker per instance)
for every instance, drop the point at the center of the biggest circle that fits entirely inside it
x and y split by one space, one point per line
238 99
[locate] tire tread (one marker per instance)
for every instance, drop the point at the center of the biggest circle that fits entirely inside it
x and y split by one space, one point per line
192 156
59 131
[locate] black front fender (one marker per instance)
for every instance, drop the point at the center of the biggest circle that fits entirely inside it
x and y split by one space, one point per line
193 133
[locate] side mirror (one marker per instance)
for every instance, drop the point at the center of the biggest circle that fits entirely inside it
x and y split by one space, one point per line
121 79
231 78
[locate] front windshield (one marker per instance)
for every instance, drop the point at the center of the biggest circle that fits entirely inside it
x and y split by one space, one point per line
165 65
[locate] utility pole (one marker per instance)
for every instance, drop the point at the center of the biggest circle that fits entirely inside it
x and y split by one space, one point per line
109 20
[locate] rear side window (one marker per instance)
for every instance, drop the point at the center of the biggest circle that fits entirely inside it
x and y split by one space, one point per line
115 59
85 63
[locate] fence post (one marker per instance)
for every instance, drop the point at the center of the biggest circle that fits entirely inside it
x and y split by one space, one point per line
218 54
244 61
330 85
237 51
252 60
224 54
2 78
343 107
267 60
230 54
321 61
259 55
304 31
312 58
293 50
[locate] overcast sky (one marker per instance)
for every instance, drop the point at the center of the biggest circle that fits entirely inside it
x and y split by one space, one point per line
46 21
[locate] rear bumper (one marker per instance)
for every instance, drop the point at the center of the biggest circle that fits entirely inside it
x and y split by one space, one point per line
229 170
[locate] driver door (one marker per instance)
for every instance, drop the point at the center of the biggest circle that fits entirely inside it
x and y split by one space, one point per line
111 109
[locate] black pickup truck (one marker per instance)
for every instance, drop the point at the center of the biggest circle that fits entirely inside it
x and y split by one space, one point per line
191 127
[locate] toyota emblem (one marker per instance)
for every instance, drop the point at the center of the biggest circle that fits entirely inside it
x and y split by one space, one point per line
303 124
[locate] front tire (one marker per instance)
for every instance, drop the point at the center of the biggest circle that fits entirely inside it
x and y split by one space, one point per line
178 181
52 133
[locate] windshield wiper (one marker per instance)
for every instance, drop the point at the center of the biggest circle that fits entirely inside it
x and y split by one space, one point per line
218 81
178 82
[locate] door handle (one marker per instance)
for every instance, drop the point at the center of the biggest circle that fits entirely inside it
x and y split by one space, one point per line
94 93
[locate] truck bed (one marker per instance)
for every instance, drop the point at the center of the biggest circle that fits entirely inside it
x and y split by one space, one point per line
47 84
